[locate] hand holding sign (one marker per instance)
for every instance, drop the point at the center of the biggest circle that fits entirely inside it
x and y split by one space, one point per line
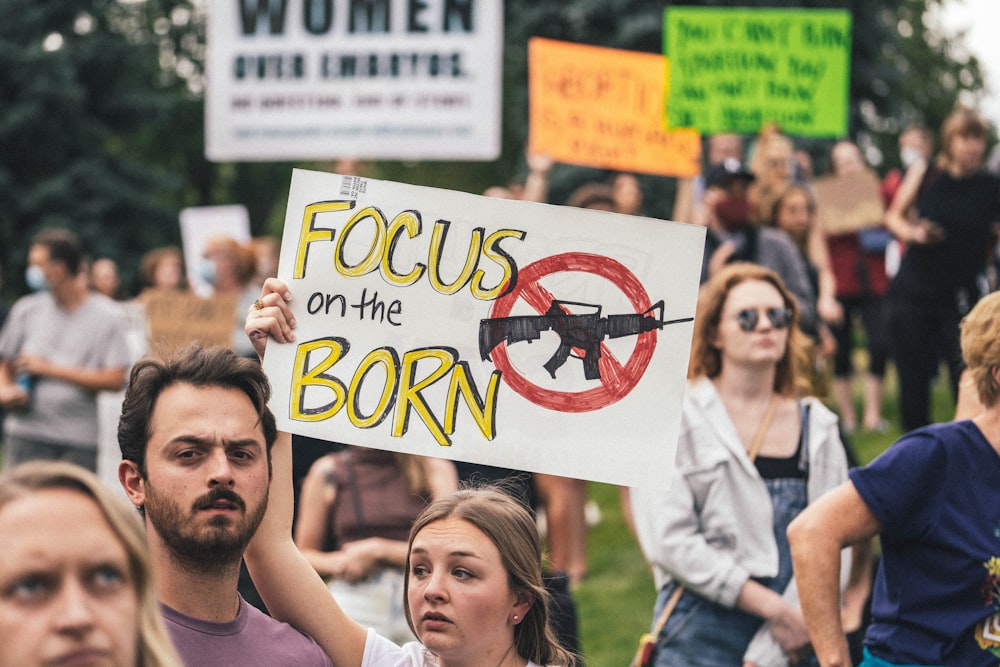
271 316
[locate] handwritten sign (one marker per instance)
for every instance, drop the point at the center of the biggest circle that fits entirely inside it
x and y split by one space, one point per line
176 319
849 202
494 331
736 69
603 108
304 80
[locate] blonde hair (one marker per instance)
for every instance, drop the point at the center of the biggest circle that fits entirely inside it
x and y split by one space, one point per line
154 648
981 346
706 360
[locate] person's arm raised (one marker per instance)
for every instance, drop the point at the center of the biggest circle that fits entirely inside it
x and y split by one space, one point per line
287 583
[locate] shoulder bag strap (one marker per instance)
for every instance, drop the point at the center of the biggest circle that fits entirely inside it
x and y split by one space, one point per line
754 448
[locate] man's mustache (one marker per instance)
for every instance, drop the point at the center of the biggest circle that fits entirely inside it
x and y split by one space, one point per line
219 494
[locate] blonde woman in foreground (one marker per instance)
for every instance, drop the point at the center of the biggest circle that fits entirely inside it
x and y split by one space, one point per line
75 580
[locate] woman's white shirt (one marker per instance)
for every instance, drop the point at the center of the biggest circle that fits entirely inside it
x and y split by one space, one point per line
380 652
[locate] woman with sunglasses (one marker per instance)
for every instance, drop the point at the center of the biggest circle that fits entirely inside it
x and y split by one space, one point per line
751 455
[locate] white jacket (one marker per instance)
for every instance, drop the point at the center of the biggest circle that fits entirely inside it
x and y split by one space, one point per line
711 528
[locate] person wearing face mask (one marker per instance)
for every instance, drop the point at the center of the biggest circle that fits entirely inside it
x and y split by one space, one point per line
733 237
58 348
230 268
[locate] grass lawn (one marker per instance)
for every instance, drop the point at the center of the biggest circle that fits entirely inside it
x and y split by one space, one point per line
615 602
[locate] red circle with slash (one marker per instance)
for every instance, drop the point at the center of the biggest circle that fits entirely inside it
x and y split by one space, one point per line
617 380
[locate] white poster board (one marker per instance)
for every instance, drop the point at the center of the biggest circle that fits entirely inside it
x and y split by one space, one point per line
303 80
507 333
201 223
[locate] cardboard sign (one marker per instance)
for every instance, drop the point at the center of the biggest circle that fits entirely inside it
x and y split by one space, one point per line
507 333
850 202
736 69
390 80
603 108
176 319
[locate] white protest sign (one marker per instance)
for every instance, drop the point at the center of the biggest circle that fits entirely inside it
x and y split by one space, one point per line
394 79
199 224
507 333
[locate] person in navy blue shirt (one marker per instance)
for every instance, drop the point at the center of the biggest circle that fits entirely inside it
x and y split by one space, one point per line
931 497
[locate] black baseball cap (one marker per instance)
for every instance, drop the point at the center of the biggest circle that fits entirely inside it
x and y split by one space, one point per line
723 174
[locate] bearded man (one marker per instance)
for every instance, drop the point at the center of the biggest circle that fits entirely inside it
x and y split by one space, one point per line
196 436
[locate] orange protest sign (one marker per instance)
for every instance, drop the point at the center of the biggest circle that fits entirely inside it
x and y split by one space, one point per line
603 108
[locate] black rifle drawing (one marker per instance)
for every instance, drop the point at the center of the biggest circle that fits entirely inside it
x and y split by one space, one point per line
584 332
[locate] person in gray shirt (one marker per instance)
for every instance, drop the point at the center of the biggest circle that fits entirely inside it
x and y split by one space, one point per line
58 347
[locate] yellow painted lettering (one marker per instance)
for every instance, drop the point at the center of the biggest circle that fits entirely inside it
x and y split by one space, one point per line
493 251
309 234
387 357
375 249
409 222
408 394
317 377
483 411
438 238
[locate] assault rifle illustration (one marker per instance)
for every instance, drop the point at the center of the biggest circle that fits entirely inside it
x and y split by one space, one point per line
583 332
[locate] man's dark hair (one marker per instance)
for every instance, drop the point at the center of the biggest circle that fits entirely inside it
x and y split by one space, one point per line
198 366
63 245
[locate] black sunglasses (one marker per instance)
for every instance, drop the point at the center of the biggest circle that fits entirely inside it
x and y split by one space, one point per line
749 317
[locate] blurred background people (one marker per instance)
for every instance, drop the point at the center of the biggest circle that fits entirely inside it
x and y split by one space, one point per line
733 236
858 260
689 201
946 214
774 164
626 190
59 346
795 213
104 278
230 267
162 269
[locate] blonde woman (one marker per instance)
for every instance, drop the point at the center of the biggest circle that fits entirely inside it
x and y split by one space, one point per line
75 580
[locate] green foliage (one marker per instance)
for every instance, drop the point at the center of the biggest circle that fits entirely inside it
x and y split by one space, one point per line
73 91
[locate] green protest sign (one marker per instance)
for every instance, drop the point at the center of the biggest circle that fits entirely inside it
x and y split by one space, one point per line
736 69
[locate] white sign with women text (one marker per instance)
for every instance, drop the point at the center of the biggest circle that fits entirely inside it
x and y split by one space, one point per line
507 333
395 79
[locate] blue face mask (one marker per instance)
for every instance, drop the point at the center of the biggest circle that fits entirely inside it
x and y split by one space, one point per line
206 270
34 276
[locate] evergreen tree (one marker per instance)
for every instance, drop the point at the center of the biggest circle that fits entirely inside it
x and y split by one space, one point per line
74 89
